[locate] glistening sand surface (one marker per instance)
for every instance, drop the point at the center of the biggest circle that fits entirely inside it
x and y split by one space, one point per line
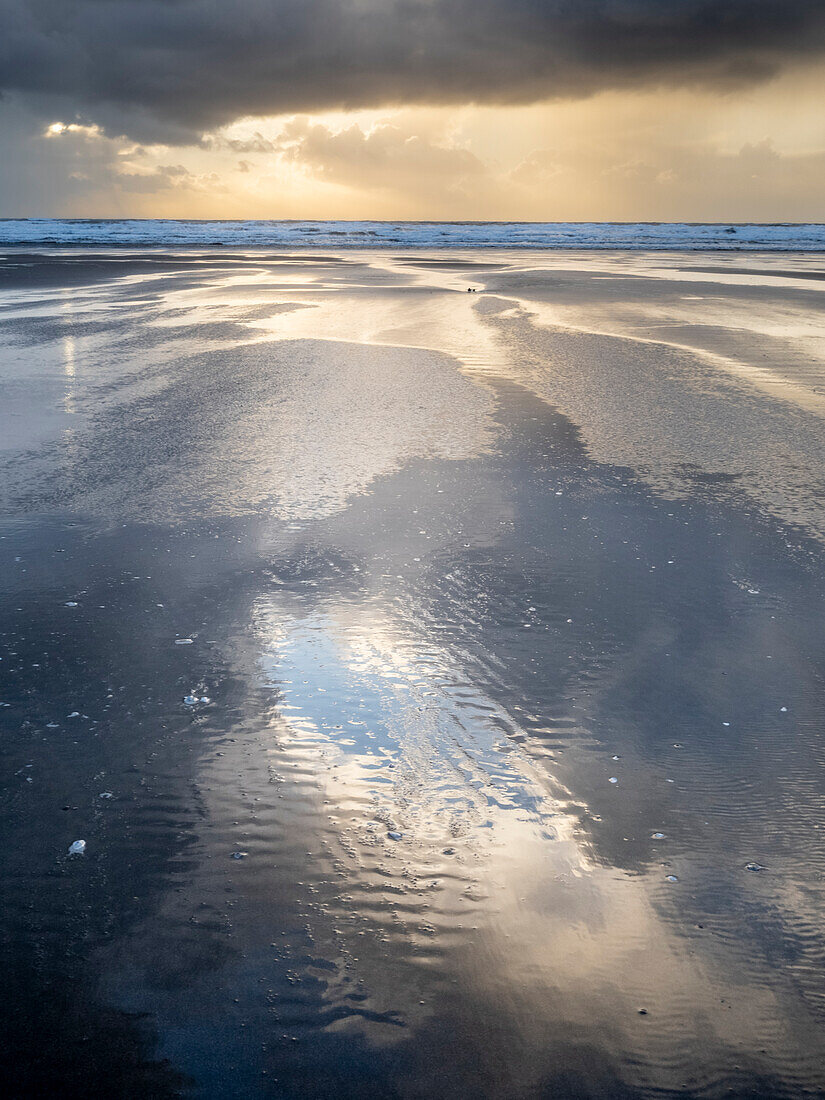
449 563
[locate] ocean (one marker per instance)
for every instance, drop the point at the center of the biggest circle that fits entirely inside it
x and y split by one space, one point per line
163 233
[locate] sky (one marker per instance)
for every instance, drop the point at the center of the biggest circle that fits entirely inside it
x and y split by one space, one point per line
557 110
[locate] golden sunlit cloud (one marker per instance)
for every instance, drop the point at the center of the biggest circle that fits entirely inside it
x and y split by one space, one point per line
678 155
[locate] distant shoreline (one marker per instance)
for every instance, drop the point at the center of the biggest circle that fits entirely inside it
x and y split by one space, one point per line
585 236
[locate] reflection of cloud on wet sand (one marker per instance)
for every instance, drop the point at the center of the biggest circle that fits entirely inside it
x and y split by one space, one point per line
488 881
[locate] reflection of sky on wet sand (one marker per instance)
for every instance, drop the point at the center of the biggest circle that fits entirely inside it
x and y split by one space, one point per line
556 320
445 611
701 360
489 884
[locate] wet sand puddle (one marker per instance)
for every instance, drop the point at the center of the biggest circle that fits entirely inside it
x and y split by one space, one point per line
488 768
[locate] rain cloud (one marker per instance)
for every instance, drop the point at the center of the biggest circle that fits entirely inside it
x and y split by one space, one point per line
171 70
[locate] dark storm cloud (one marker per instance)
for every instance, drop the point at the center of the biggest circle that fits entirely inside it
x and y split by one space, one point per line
168 68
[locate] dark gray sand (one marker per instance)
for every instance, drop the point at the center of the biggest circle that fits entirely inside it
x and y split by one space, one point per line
436 679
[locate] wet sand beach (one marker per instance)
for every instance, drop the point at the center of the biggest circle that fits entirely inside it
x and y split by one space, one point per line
435 677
